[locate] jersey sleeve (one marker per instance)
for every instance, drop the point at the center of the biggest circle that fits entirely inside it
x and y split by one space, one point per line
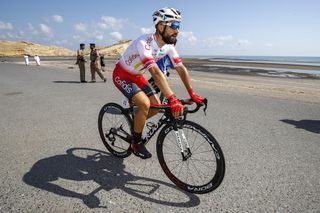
174 56
145 54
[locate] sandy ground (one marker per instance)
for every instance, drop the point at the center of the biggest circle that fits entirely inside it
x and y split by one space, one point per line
307 90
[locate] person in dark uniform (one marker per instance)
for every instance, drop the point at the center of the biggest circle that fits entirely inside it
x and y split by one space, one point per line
103 65
95 65
81 63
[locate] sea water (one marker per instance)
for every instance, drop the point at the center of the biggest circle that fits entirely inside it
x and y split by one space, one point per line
266 71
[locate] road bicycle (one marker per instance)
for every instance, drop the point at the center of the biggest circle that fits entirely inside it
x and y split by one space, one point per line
188 154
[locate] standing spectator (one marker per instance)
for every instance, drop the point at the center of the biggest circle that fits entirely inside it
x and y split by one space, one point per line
26 59
81 63
37 59
95 64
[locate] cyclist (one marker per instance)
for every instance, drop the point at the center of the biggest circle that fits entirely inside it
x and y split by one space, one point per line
142 55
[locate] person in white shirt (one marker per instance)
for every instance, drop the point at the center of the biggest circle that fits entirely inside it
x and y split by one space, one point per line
26 59
37 59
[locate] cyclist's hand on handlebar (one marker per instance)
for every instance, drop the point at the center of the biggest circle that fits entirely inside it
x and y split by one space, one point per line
196 98
176 106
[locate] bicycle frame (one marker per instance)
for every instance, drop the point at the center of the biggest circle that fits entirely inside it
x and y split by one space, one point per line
154 128
165 119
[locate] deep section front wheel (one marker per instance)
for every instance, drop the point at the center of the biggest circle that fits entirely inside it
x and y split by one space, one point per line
200 167
115 129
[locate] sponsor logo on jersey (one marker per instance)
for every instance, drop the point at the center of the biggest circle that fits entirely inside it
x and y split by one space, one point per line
148 45
131 59
123 84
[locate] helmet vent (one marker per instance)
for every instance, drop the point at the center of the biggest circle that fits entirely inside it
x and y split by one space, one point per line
174 11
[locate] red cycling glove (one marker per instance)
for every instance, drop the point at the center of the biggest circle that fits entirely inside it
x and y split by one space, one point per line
176 106
196 98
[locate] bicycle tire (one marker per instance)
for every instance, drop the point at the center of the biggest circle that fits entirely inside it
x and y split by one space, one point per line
111 116
201 143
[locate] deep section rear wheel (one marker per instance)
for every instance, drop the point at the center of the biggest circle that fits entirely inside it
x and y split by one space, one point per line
202 168
115 129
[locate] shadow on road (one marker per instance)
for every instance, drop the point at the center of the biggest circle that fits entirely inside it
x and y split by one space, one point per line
309 125
104 169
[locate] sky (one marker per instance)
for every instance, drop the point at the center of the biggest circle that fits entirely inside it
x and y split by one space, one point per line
209 27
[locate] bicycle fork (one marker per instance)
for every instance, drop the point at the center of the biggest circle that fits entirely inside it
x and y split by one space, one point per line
182 142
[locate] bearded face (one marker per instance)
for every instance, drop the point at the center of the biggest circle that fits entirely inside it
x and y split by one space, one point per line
169 37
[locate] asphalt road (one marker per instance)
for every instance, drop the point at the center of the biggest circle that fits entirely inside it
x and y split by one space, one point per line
52 158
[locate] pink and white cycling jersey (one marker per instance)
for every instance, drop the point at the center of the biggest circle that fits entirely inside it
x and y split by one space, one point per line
145 52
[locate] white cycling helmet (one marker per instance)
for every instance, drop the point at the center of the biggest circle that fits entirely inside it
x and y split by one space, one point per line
166 14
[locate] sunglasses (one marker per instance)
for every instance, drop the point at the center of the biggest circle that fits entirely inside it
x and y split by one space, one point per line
173 25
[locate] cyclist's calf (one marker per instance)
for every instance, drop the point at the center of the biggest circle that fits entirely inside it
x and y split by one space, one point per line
154 99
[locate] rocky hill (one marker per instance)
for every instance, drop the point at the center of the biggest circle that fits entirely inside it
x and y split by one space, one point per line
18 48
116 49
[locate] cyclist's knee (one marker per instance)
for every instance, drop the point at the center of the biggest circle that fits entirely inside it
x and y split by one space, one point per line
145 105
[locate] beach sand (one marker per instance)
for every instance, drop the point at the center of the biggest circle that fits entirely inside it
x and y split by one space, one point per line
251 64
299 89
